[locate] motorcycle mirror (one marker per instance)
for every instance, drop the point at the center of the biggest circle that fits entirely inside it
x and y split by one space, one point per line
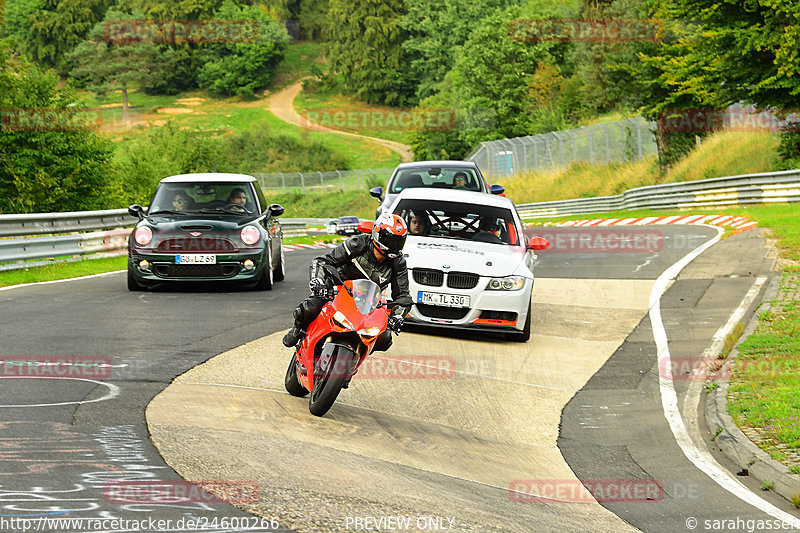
365 226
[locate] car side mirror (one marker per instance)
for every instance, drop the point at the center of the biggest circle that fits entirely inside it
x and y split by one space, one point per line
365 226
377 192
497 189
137 211
275 210
538 243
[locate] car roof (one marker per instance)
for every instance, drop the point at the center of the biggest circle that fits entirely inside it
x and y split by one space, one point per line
208 177
424 164
450 195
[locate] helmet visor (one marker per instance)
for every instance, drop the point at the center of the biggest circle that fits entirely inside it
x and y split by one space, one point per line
390 243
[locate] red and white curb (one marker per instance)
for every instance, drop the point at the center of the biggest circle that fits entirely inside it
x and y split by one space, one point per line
739 222
315 246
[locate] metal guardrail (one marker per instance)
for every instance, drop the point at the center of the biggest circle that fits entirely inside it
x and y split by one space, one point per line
28 237
767 187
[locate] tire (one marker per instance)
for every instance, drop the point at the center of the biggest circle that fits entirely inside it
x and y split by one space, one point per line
291 382
280 271
134 285
264 282
525 334
328 386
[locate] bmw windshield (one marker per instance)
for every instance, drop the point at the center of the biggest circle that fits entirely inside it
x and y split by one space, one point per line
455 220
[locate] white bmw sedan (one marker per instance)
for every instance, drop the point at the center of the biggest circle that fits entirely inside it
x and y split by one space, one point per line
470 264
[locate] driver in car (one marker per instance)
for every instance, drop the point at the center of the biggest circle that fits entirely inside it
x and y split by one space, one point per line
376 256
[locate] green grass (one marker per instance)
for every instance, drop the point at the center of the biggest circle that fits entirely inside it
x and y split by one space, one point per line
326 106
297 62
63 270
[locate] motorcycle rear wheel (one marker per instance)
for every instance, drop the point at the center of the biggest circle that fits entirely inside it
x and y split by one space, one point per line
328 386
291 382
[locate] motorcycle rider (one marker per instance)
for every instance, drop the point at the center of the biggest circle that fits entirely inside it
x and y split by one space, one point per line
376 256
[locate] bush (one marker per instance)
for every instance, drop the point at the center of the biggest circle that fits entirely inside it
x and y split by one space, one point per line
789 150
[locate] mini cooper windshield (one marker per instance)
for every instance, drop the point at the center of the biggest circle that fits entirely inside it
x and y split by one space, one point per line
203 198
455 220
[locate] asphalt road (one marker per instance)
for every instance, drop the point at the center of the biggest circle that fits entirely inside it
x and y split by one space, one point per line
452 452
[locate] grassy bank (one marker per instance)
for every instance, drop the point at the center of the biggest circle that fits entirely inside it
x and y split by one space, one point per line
721 154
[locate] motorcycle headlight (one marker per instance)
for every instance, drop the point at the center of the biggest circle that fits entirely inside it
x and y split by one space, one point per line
508 283
340 321
369 333
143 235
250 235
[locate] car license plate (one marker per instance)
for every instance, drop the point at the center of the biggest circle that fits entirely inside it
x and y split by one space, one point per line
448 300
195 259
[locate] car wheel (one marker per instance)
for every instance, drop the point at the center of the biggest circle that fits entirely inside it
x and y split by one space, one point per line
525 334
279 274
264 282
134 285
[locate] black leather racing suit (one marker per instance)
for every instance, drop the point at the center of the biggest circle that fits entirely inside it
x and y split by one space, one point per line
354 259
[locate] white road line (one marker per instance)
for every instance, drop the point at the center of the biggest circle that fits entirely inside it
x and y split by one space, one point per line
669 399
113 392
59 280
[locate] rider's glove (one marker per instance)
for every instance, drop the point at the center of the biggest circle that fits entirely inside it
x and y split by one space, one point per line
318 288
396 323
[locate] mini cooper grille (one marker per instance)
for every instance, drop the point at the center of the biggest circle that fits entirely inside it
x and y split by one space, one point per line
432 278
462 280
196 271
192 244
435 311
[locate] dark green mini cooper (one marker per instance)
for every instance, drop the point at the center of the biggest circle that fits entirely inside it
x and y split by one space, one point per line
206 227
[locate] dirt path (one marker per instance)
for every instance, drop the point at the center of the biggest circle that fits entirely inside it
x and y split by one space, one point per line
280 105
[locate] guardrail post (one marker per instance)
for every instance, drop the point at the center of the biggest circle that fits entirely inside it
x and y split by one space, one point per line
283 181
302 181
341 185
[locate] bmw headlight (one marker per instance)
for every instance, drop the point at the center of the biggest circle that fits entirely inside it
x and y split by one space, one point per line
341 321
508 283
143 235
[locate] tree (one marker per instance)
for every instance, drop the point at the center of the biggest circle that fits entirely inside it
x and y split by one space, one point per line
241 68
43 167
57 26
109 64
436 30
365 47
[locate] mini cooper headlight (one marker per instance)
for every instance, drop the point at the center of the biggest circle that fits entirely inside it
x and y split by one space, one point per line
508 283
250 235
143 235
341 321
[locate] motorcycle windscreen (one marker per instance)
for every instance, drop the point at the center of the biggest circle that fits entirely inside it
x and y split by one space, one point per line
366 295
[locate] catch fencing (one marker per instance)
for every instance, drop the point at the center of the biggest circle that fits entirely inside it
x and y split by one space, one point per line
332 180
623 140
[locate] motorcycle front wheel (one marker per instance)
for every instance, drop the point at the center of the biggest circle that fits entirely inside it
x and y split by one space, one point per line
330 382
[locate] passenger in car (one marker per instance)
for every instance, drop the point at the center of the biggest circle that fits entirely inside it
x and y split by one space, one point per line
489 231
418 224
